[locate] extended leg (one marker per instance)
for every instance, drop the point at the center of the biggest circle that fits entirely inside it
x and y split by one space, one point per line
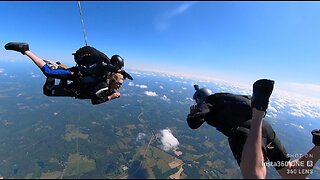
50 89
47 71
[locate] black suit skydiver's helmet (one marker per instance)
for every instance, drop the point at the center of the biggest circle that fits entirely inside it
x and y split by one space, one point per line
201 94
117 61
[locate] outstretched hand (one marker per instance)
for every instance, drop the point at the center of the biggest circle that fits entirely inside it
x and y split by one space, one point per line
115 95
316 137
194 109
126 75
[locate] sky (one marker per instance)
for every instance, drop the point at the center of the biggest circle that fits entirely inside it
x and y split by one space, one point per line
227 40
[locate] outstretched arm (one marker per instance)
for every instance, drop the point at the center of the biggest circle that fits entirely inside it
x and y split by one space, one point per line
252 161
126 75
302 167
101 99
196 116
109 68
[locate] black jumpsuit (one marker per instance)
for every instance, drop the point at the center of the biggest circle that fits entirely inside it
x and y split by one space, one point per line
231 115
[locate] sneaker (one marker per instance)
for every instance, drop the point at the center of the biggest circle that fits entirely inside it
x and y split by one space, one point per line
48 86
262 90
17 46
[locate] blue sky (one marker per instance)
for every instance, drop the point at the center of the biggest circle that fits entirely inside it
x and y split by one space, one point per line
239 41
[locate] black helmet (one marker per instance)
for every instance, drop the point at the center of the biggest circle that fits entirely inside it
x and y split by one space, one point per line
117 61
201 94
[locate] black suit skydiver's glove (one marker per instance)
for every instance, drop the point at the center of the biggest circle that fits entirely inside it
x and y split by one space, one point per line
197 115
316 137
126 75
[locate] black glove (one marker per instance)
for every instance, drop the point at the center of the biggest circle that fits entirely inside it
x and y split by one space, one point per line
194 109
316 137
126 75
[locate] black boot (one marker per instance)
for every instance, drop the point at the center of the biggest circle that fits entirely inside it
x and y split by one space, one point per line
17 46
262 90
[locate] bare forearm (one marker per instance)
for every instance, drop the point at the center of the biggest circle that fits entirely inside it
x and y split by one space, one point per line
302 167
252 165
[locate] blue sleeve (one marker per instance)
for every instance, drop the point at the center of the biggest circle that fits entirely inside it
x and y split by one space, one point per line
56 73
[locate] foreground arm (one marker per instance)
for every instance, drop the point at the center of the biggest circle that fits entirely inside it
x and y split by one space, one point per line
252 161
98 100
302 167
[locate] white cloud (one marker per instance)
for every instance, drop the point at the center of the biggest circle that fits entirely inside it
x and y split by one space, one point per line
161 87
163 22
280 103
304 88
168 140
142 86
179 10
271 114
296 125
140 136
270 108
1 70
189 99
297 113
299 106
137 85
35 75
150 93
165 98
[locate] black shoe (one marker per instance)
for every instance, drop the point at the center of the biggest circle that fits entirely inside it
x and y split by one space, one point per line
63 83
17 46
49 84
70 88
262 90
316 137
